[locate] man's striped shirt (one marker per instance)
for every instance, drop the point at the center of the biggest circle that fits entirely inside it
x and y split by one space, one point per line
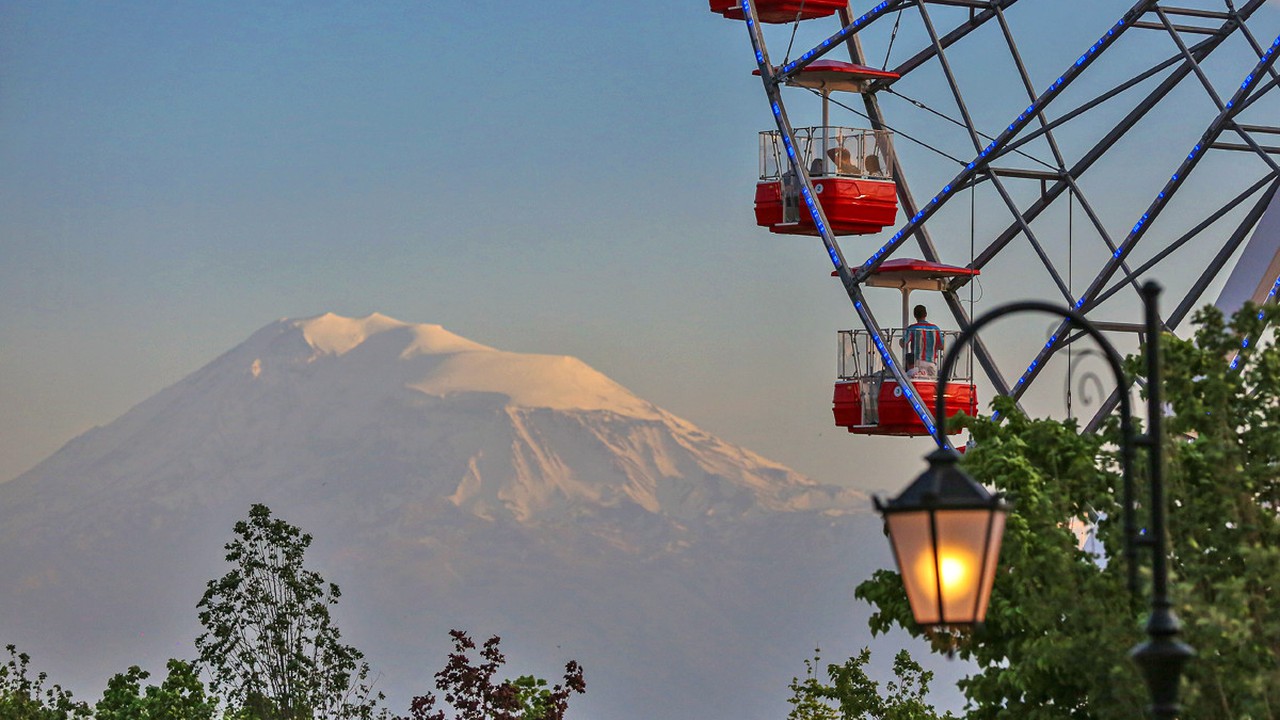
924 340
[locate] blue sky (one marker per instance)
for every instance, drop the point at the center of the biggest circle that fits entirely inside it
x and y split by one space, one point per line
568 177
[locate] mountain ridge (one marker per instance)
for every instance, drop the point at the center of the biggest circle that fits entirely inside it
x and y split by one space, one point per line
306 383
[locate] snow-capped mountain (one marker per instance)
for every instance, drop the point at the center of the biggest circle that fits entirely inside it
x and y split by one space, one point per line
448 484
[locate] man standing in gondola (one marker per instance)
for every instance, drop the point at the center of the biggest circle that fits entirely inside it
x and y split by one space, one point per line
924 342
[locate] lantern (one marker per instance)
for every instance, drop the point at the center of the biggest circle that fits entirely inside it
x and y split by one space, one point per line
945 530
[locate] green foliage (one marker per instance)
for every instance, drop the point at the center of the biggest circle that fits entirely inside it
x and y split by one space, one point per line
809 696
269 642
1222 477
536 700
1060 623
180 697
469 687
271 648
25 698
851 695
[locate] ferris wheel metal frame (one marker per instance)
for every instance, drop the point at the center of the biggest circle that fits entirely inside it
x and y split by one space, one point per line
1061 178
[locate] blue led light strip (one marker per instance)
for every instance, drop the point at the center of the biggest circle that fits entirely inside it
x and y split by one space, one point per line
997 146
1270 299
787 133
1215 129
786 72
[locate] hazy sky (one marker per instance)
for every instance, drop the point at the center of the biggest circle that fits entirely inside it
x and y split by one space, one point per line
570 177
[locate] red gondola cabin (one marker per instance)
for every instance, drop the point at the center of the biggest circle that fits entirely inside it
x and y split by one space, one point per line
868 400
850 169
780 11
867 407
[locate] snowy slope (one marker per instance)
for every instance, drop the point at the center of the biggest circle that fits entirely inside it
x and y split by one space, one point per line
447 484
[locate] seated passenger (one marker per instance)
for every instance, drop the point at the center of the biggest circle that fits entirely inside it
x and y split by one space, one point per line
872 165
913 368
817 167
843 160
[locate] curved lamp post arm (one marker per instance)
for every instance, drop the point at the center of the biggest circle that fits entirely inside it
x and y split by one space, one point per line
1127 439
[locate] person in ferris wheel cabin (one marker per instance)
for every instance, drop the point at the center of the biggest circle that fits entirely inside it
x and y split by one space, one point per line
924 345
842 159
913 370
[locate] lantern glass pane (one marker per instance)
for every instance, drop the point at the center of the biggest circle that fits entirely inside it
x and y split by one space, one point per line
962 549
913 549
993 557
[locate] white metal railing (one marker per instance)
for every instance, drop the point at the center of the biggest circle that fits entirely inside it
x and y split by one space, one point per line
829 152
858 357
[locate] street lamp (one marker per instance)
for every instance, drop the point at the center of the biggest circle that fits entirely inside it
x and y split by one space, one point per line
945 528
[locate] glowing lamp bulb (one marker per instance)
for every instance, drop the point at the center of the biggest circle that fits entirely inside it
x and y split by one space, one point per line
951 570
955 572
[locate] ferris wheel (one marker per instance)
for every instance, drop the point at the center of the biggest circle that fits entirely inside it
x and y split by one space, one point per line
986 152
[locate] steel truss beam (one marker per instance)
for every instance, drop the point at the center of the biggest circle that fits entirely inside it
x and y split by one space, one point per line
923 238
1212 269
1220 123
998 147
1032 124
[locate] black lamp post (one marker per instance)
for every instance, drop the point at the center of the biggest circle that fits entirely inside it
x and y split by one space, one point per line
946 529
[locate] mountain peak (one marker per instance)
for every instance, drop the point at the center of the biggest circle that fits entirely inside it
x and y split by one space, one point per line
431 360
333 334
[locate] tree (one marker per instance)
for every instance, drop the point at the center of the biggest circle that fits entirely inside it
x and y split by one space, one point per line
180 697
851 695
470 688
269 642
24 698
1061 621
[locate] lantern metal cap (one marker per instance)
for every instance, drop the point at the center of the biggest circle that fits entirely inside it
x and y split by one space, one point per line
943 485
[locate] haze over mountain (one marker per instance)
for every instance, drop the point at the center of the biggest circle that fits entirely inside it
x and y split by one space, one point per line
447 484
